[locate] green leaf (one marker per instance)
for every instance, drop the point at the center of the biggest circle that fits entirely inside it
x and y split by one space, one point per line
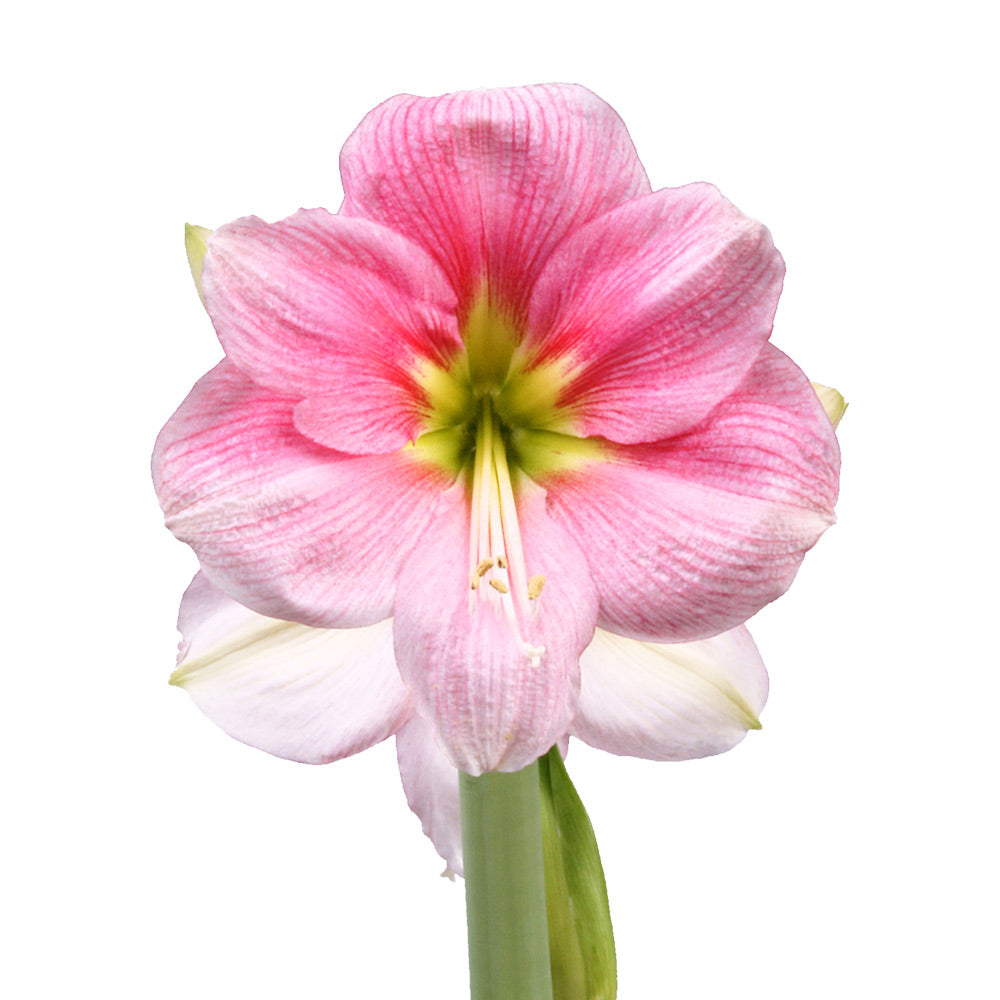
581 941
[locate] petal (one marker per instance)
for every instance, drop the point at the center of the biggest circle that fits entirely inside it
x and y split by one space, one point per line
284 526
430 782
493 708
306 694
340 311
669 701
490 181
691 536
656 311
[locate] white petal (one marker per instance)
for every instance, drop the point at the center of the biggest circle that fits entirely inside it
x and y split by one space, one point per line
671 701
430 782
307 694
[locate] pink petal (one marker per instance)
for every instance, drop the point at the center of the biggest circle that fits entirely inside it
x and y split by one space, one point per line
492 708
659 309
339 311
490 181
306 694
284 526
430 782
667 701
690 536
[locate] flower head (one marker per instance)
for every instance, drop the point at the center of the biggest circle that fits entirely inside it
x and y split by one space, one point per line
505 396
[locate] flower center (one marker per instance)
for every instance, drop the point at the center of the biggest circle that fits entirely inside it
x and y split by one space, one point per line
494 417
525 391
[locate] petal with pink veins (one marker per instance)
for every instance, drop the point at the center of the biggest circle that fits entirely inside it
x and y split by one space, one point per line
283 525
655 312
688 537
341 313
490 181
430 782
306 694
499 693
669 701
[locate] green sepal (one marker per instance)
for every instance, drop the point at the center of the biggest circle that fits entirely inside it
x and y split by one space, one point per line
196 245
581 941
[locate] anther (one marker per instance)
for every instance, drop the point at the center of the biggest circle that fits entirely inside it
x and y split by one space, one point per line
484 567
474 582
499 585
533 654
502 562
535 585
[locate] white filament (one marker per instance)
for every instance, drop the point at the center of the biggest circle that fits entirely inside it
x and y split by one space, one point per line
496 552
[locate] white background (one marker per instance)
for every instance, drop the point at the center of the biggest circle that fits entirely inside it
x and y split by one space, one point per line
848 849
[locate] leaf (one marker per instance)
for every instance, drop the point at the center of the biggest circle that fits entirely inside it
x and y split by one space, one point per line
581 940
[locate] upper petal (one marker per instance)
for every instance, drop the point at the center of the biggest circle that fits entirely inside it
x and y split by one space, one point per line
339 312
289 528
490 181
306 694
494 707
655 311
669 701
691 536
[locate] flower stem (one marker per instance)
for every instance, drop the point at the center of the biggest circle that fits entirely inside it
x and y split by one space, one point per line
505 886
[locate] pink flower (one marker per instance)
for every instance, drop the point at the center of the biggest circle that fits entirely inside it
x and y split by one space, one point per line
505 395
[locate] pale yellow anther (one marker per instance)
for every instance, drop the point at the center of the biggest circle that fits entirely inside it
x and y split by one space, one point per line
484 567
499 585
535 585
474 582
501 562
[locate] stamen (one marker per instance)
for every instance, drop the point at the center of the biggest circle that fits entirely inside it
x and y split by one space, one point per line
534 654
496 553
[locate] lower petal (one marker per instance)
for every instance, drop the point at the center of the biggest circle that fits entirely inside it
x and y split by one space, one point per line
664 701
306 694
430 782
494 705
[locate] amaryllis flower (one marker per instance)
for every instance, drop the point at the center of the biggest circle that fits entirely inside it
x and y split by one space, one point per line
505 396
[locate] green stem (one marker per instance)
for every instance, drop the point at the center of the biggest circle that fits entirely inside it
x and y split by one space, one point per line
505 886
